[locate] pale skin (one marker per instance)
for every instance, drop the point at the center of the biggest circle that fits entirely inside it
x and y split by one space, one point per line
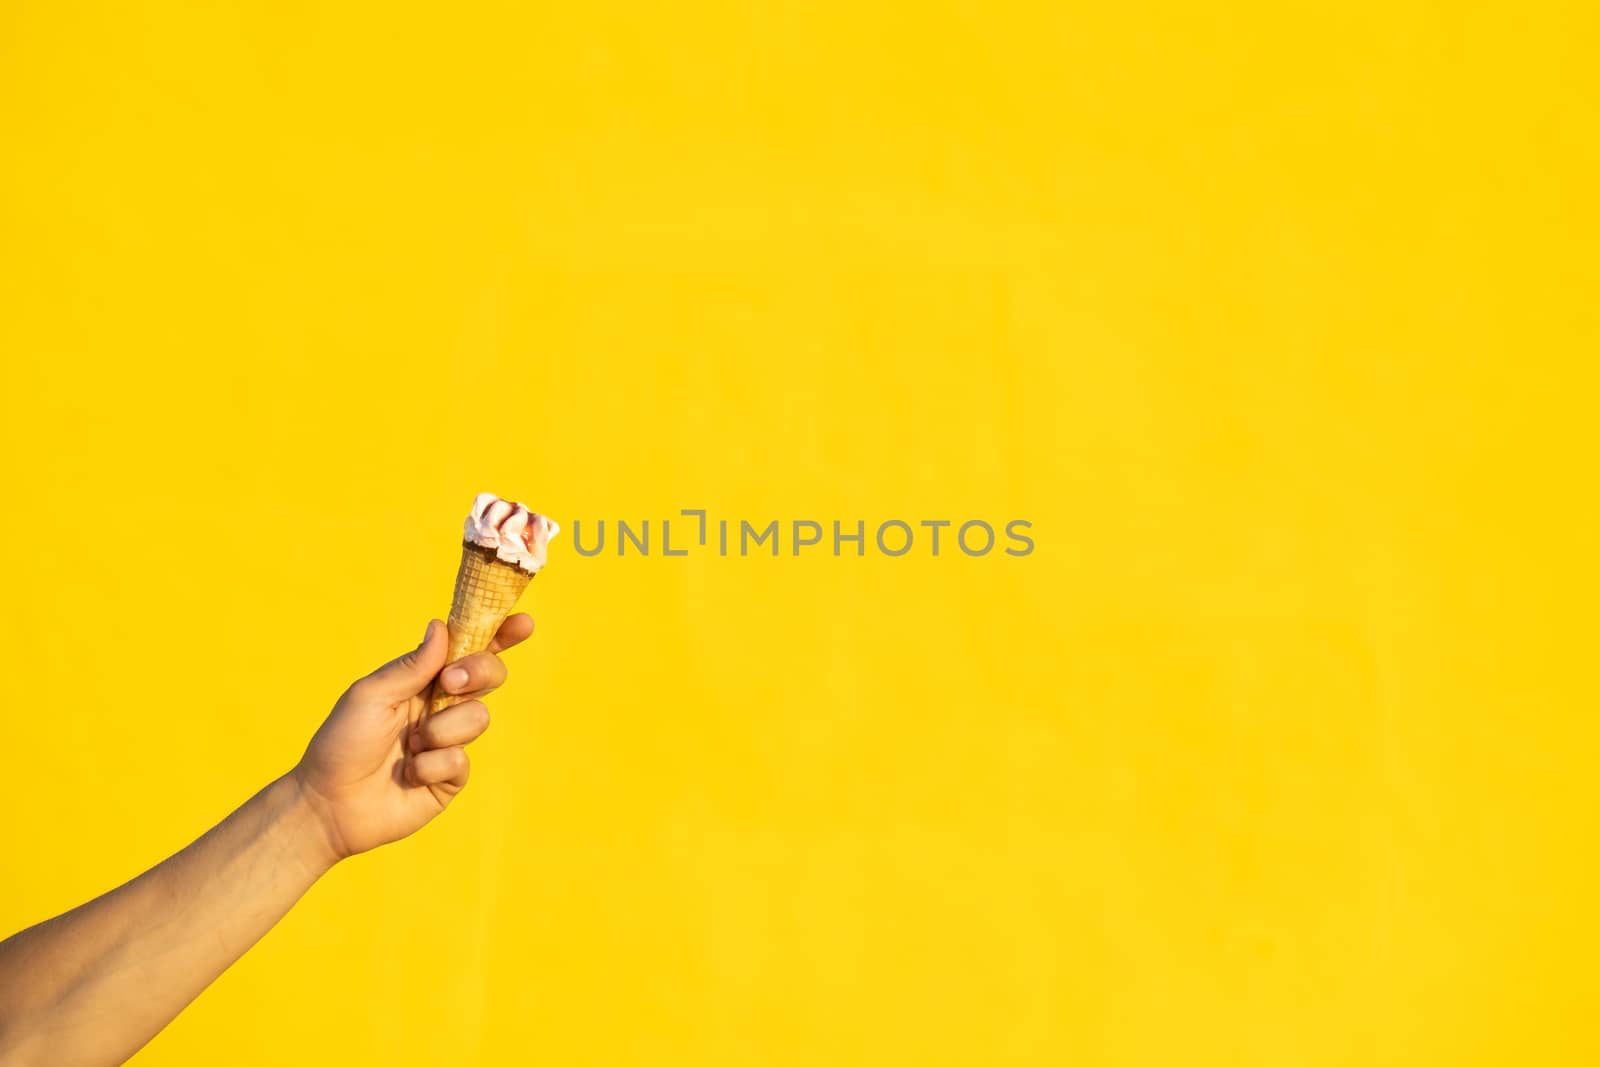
93 985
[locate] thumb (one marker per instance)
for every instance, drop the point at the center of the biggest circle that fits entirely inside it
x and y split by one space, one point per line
407 675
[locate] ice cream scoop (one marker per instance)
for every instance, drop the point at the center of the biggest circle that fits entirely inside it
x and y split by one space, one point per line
516 534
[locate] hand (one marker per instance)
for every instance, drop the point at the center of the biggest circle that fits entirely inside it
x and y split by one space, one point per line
377 771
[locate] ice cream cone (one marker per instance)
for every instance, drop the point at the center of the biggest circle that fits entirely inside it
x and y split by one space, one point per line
503 549
487 589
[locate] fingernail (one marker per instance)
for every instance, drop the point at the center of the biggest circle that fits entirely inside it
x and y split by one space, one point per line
455 678
428 632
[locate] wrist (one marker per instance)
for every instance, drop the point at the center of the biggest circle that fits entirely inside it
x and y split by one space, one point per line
307 828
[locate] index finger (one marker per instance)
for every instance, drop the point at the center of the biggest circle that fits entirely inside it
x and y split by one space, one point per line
515 630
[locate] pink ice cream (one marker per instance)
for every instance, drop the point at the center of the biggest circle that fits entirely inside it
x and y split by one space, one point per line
516 534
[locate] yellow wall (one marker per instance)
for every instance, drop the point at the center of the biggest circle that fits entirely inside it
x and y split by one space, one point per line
1276 320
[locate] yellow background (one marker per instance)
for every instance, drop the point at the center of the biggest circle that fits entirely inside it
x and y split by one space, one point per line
1277 321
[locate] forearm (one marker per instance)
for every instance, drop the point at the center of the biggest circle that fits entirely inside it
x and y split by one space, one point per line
93 985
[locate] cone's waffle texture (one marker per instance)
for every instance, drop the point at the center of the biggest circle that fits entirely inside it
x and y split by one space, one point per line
487 588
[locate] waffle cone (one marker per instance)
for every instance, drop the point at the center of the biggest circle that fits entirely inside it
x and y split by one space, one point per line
487 588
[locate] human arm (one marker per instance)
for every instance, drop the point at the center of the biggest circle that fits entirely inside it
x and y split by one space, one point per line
93 985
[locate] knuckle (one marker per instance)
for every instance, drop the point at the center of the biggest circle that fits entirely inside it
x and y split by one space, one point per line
487 672
430 732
